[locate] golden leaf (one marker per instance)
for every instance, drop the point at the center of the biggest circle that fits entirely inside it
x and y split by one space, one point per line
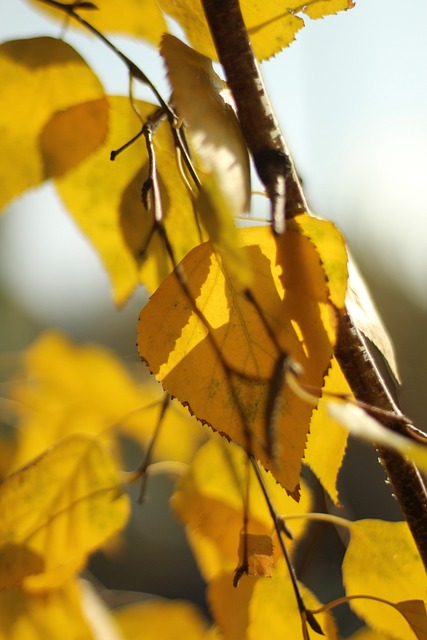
260 608
65 388
382 561
290 288
118 225
210 501
161 620
67 499
257 551
32 616
128 18
271 25
42 77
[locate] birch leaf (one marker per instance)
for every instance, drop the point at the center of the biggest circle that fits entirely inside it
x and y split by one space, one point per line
204 102
161 620
41 79
32 616
118 225
262 608
382 560
271 25
288 288
209 500
69 498
128 18
65 388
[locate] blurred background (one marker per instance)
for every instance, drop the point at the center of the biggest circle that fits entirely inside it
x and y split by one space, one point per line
351 96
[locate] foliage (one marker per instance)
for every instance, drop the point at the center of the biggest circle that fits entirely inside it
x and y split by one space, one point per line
240 328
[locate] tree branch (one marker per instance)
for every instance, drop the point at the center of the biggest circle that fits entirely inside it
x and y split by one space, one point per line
276 170
257 120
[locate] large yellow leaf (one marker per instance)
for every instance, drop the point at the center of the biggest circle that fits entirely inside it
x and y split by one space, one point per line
161 620
42 77
61 507
129 17
290 287
382 560
271 25
64 388
45 616
262 607
104 199
210 499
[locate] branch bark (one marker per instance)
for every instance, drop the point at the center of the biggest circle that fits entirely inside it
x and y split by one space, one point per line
276 169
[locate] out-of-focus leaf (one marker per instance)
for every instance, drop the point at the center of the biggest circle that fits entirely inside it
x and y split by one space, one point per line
327 440
210 499
257 551
129 17
104 199
287 284
271 25
382 560
364 426
368 634
262 608
41 79
161 620
65 388
62 506
31 616
364 314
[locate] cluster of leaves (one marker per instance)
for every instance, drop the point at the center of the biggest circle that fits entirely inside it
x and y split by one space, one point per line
232 313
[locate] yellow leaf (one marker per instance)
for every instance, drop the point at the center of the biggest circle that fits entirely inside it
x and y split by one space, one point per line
64 388
129 17
382 560
365 316
325 461
161 620
203 101
289 286
367 634
260 608
118 225
29 616
42 77
271 25
210 499
60 507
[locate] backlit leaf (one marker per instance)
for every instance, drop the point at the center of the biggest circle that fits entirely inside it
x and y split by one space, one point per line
367 634
104 199
129 17
161 620
327 440
30 616
262 608
203 101
382 560
41 79
288 288
416 614
365 316
257 551
65 388
68 499
209 500
271 25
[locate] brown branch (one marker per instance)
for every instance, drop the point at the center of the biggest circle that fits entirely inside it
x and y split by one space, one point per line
257 120
273 162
